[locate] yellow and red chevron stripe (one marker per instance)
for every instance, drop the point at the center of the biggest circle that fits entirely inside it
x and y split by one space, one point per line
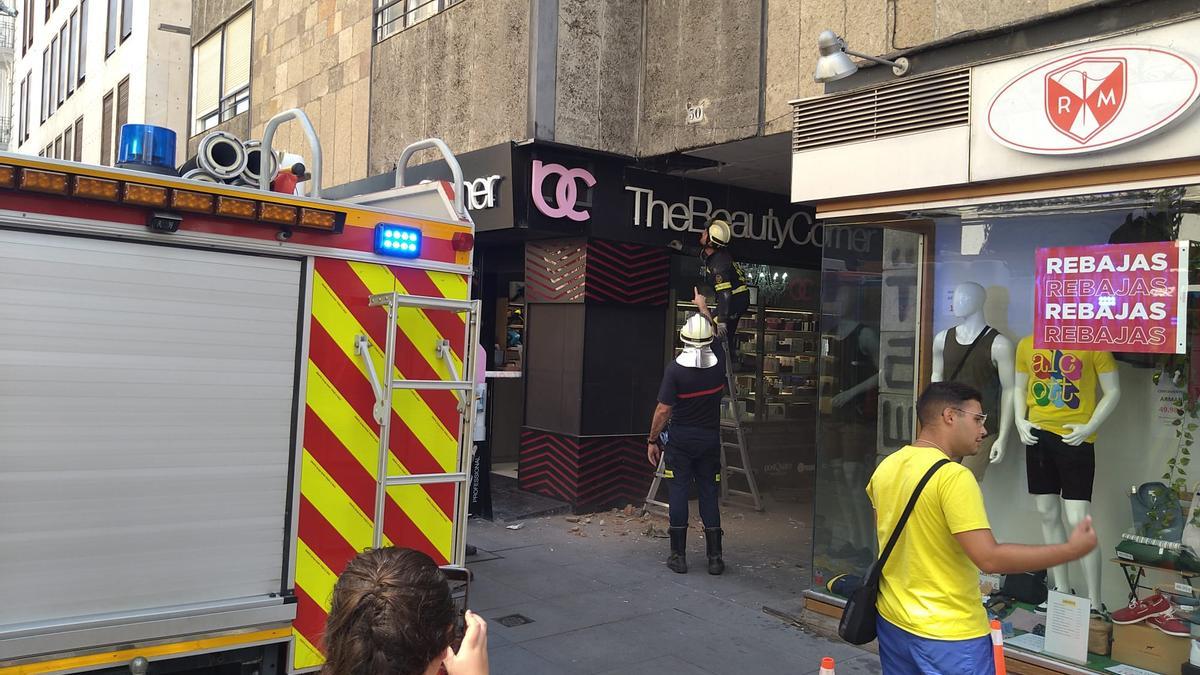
341 437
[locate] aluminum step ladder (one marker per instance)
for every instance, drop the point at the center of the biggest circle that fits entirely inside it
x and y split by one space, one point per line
464 388
731 425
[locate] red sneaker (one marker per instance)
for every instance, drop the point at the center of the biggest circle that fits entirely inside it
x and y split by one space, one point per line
1168 624
1140 610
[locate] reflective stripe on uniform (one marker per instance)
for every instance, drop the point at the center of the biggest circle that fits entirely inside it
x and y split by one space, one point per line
667 473
741 289
724 286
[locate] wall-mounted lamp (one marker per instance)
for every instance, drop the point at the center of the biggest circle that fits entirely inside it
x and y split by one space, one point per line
835 64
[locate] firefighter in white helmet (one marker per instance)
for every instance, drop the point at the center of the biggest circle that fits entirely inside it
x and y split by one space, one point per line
719 271
689 399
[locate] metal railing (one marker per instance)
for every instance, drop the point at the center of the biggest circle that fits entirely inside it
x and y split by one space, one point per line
8 32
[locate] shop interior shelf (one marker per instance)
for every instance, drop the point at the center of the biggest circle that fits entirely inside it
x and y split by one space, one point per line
1134 563
778 331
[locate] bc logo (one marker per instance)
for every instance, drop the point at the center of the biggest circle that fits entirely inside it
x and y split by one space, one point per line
565 193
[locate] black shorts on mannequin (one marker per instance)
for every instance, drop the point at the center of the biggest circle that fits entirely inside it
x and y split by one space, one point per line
1054 468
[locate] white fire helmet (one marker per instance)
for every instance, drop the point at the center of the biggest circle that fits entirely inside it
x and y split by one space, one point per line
697 336
719 233
697 331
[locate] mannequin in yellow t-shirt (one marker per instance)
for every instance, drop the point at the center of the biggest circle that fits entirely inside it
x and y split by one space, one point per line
1063 396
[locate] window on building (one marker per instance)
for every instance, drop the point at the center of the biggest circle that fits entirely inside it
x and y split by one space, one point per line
78 140
58 148
83 18
68 144
45 78
46 17
54 5
221 74
73 53
52 75
126 19
26 25
22 102
64 55
122 107
110 37
106 130
393 16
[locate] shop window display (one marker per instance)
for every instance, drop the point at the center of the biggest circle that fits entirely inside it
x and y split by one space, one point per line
1072 432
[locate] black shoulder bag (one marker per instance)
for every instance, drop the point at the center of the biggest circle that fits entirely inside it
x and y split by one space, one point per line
858 618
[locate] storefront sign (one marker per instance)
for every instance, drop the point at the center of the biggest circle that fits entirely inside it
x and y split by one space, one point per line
481 192
566 191
766 228
692 215
1122 298
1093 100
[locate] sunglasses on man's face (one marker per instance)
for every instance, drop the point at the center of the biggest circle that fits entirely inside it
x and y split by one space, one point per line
980 418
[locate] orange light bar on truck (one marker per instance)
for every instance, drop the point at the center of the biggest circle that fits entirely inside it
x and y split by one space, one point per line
186 200
97 188
237 208
44 181
321 220
194 200
277 213
145 195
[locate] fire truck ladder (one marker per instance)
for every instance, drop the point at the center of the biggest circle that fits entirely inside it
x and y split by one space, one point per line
464 388
731 425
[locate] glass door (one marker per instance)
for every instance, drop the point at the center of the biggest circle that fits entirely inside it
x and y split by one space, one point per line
868 365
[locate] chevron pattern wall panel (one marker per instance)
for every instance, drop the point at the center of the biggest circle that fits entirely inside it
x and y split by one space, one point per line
628 274
555 270
585 472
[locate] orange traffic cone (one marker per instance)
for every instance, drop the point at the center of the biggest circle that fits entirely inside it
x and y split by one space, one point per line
998 648
826 666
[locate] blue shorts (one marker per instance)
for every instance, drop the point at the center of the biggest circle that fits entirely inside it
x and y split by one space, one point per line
902 653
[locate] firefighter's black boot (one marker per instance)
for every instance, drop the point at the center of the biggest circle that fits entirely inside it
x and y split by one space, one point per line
712 541
678 560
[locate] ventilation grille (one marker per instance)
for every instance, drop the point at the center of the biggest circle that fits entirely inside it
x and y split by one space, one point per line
894 109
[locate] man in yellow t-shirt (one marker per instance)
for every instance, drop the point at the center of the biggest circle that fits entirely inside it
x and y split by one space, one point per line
931 617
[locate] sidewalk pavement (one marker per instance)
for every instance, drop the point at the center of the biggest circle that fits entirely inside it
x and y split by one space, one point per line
595 600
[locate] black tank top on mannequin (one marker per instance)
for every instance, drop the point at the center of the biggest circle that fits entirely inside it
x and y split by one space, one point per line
977 371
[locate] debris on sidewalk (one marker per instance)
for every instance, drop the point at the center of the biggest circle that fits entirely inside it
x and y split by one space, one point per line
572 519
657 532
516 526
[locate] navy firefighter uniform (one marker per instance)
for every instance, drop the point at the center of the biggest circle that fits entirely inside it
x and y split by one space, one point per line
690 395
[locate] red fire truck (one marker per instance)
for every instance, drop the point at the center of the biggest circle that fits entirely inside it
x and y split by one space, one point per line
211 398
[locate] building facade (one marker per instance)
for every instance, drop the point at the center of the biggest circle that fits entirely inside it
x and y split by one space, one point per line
698 91
7 40
973 176
86 67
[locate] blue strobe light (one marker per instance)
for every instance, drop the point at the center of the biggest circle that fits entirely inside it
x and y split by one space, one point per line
147 148
397 241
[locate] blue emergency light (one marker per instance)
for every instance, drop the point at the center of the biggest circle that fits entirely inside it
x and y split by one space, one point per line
397 241
146 147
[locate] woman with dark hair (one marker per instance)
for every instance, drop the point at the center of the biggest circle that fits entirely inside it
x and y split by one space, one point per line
392 615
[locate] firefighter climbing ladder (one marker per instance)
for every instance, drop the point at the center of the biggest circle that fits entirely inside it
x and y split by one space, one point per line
731 424
464 389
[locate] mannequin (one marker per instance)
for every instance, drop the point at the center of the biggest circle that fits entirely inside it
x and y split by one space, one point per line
1057 392
851 433
989 368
